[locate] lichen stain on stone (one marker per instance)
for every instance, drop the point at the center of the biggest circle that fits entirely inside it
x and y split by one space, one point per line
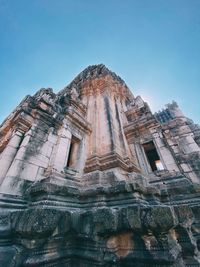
150 242
173 234
109 119
121 244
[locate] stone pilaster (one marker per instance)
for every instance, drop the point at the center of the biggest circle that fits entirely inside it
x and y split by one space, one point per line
61 151
9 153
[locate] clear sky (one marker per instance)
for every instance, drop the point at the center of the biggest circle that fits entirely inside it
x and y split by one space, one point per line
154 45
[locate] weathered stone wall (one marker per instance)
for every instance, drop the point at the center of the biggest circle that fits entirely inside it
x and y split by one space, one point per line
77 183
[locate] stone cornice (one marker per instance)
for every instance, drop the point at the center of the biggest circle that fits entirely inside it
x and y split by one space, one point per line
108 161
135 128
20 122
77 120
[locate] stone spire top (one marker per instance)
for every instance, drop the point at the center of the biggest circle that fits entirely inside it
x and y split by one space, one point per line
90 73
96 71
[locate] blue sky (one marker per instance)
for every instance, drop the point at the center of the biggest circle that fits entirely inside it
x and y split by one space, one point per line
154 45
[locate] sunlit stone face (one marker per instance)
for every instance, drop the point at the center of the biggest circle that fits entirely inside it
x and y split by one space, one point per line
90 177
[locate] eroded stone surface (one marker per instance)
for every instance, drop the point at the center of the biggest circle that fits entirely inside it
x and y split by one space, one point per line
90 177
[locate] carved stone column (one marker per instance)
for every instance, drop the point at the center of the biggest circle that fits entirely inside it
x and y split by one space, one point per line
61 152
9 153
164 153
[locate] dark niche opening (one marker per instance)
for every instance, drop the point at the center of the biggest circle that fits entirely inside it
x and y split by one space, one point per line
152 156
73 153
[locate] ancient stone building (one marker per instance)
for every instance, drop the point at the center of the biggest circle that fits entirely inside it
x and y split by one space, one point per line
90 177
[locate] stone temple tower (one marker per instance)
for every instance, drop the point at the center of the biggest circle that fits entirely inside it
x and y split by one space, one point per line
90 177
